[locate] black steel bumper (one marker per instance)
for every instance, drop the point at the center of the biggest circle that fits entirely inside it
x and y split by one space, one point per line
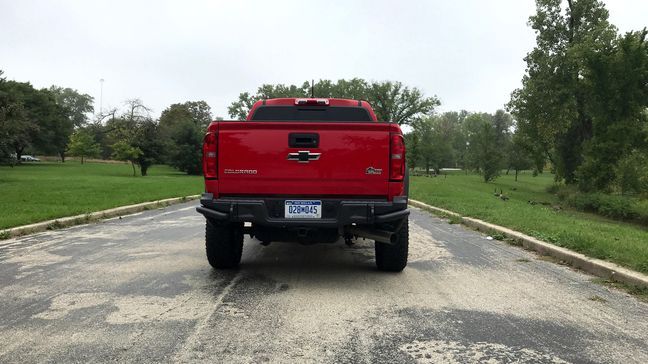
335 212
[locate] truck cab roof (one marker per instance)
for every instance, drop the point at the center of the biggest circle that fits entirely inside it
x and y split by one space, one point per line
311 109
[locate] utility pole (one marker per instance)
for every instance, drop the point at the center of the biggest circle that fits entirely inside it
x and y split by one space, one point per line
101 81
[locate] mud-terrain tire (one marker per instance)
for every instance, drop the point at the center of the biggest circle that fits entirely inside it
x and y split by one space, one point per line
224 244
393 257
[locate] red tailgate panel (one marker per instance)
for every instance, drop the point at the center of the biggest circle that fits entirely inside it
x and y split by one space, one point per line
255 156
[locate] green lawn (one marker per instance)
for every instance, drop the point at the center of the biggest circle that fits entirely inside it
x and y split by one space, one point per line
595 236
41 191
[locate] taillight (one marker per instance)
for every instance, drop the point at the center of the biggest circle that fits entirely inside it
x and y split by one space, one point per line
320 102
210 155
396 157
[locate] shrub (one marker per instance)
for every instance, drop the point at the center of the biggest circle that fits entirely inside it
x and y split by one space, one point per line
584 202
553 189
612 206
641 209
631 174
566 193
616 207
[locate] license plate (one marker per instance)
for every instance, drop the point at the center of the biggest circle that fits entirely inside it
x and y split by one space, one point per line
303 209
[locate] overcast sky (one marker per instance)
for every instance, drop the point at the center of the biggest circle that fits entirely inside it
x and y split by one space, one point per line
467 52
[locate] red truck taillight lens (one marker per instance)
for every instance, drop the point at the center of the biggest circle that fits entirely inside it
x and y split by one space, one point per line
320 102
396 157
210 155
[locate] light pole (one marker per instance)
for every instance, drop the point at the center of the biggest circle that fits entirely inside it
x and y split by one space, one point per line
101 81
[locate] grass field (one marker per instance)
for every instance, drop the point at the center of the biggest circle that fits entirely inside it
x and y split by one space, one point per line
41 191
595 236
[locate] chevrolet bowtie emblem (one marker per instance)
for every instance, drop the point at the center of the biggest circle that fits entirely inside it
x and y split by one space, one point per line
303 156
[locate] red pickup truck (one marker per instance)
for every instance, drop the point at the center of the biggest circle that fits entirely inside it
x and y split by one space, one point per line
305 170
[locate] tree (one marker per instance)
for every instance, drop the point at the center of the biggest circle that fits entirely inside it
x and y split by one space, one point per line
135 136
412 145
185 150
83 145
7 113
519 156
182 127
17 128
485 154
618 83
631 173
39 120
435 134
147 142
502 122
73 110
554 108
453 123
240 108
123 151
101 134
31 118
77 105
422 130
392 101
584 96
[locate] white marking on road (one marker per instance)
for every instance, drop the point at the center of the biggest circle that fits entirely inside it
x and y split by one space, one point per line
192 344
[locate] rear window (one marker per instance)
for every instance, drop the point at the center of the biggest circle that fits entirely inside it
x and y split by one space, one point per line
310 113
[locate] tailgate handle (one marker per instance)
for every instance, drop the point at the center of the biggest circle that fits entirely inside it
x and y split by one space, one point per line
303 140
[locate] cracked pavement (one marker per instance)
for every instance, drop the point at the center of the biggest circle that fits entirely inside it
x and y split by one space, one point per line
139 289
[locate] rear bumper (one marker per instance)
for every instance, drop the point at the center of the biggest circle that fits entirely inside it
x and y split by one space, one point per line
335 212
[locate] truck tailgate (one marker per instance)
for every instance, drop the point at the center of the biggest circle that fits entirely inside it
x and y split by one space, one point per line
304 158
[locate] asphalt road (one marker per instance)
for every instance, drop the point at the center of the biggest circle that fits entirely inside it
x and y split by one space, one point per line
140 289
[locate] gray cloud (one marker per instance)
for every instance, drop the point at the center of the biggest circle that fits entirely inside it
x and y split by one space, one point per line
469 52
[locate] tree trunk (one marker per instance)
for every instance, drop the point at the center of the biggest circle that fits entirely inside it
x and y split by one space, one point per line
19 152
82 159
508 170
143 170
516 174
134 173
62 154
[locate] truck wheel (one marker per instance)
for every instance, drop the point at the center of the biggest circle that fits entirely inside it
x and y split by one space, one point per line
393 257
224 244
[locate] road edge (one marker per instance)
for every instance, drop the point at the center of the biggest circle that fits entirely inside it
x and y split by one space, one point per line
91 217
597 267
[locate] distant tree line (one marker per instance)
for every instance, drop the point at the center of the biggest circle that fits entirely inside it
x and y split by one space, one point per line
60 121
132 135
38 119
480 142
390 100
582 111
